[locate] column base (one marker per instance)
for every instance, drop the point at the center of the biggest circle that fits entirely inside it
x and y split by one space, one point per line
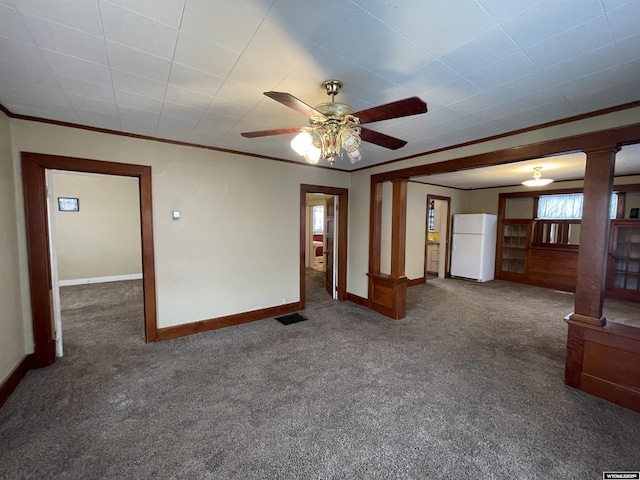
578 317
388 295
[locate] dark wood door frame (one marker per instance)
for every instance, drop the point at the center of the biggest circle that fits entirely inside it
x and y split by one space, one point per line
34 166
446 233
343 224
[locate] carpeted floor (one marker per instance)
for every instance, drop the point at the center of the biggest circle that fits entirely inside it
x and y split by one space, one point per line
316 293
468 386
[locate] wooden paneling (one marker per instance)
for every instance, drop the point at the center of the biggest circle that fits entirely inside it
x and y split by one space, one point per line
552 268
200 326
622 368
605 361
15 377
388 295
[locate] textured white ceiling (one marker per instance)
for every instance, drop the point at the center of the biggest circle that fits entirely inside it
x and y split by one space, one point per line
194 70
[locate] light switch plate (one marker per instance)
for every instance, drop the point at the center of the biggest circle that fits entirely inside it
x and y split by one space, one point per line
175 215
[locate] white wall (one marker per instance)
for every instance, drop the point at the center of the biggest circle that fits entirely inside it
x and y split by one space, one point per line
102 239
236 248
12 341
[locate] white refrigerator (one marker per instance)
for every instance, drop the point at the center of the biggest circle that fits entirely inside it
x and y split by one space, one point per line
473 250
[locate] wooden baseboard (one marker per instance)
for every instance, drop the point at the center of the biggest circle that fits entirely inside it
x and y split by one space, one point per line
417 281
13 380
200 326
358 300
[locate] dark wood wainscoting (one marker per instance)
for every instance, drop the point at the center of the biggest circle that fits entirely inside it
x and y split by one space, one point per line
388 295
552 268
605 361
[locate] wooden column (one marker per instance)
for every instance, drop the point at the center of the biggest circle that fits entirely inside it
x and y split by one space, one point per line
602 359
388 293
399 227
594 236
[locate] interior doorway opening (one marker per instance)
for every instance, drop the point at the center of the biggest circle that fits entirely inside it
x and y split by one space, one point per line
323 244
436 259
96 260
34 167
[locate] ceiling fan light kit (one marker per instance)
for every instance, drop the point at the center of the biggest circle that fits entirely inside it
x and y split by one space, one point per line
537 181
334 128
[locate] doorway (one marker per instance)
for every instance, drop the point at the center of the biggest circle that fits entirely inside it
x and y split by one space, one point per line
96 261
34 168
436 258
333 243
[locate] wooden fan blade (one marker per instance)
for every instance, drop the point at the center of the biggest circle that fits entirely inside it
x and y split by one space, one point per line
381 139
268 133
296 104
401 108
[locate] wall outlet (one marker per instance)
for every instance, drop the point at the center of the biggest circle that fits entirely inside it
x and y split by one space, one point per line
284 300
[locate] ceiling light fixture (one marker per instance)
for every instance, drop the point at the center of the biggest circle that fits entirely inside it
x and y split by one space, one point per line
331 134
537 181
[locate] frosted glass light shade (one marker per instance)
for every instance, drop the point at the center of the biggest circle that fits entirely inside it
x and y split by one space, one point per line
539 182
355 156
350 139
313 154
301 142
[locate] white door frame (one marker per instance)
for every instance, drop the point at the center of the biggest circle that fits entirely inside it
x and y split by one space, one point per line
53 258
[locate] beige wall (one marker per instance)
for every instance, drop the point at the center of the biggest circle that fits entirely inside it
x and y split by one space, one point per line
417 224
102 239
236 248
12 341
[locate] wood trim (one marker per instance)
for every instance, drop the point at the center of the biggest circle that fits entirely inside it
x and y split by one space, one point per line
399 227
15 377
34 166
624 106
375 228
620 207
107 131
389 295
446 186
582 116
592 255
176 331
343 236
357 299
573 365
586 141
447 234
417 281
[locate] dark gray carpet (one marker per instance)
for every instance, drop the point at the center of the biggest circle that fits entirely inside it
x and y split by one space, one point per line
468 386
316 294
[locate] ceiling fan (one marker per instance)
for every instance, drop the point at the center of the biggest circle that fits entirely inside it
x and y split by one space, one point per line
335 127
